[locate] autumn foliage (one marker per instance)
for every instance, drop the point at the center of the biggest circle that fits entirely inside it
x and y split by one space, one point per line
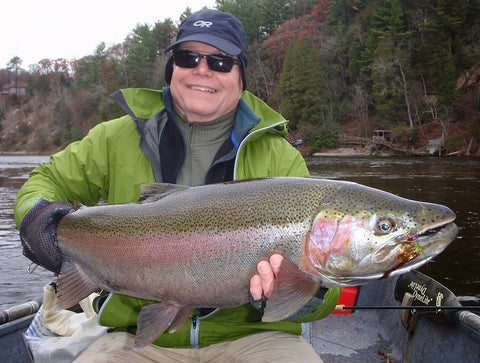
409 66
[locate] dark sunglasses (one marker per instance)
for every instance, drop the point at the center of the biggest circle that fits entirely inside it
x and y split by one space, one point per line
215 62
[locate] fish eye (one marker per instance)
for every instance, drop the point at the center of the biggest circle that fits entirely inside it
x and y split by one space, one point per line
385 226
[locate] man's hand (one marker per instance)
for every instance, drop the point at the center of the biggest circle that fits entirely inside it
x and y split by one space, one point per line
38 233
265 279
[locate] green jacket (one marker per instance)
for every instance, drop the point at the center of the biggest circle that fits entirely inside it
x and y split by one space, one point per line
118 156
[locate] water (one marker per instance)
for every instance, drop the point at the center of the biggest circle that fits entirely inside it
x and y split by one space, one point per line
454 182
17 285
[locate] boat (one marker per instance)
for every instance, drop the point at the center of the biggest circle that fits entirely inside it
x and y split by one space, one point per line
14 322
409 319
431 326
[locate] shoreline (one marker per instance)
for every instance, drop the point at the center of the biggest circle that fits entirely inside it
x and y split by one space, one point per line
345 151
341 151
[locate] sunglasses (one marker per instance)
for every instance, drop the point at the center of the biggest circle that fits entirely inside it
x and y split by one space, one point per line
215 62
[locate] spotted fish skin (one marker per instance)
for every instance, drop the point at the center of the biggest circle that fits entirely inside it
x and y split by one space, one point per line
199 246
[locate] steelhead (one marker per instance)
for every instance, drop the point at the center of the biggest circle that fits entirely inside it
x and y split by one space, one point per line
189 247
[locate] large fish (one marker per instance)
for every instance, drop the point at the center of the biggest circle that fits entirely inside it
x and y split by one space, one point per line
190 247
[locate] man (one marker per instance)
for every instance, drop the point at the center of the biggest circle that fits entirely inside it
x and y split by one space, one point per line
204 128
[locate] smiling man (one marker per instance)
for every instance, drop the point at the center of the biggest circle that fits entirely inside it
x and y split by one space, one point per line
204 128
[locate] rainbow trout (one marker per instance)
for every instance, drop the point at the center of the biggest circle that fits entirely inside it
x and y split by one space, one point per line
189 247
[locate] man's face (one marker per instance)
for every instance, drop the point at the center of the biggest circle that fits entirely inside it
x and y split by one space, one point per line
201 94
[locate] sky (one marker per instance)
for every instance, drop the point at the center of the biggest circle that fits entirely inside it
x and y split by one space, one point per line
37 29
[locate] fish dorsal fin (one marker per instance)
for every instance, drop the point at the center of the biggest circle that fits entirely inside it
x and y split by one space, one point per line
293 290
152 192
154 319
72 285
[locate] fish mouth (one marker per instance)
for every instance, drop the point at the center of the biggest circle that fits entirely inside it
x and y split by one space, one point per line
422 247
435 240
433 235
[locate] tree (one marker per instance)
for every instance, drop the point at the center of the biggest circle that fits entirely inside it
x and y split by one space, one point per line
62 121
89 70
320 11
302 85
260 18
386 60
387 27
341 12
445 32
273 13
14 66
277 44
261 79
165 33
248 12
117 68
302 7
186 13
142 50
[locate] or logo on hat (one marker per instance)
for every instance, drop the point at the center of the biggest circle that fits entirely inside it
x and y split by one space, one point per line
203 24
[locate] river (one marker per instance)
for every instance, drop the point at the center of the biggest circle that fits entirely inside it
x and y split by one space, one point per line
17 285
454 182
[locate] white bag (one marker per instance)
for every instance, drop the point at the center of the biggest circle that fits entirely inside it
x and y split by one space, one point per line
62 335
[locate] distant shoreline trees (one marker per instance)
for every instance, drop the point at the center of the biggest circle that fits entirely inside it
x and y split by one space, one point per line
384 63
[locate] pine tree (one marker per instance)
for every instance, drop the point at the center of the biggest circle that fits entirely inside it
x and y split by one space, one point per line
445 34
386 61
141 47
341 12
302 84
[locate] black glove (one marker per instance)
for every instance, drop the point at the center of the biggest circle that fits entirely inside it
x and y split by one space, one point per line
259 304
38 233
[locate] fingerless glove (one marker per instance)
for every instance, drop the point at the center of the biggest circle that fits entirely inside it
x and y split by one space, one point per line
38 233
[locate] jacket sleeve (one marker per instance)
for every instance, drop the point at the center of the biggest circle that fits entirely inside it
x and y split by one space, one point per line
78 173
317 308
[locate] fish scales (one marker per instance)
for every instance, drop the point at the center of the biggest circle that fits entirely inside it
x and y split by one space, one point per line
205 240
199 246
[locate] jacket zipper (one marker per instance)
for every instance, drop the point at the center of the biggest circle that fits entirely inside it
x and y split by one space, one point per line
189 152
194 332
195 328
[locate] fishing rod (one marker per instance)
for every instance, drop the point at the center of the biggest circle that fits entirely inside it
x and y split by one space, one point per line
434 301
410 307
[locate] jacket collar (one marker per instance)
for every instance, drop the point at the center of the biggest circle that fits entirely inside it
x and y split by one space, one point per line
245 118
252 113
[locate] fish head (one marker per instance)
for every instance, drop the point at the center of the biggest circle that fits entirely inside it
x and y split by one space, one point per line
364 234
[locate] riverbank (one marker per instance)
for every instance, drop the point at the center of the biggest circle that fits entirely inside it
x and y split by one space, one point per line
342 151
354 151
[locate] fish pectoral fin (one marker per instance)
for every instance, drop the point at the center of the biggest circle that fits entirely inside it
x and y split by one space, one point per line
154 319
293 290
72 285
